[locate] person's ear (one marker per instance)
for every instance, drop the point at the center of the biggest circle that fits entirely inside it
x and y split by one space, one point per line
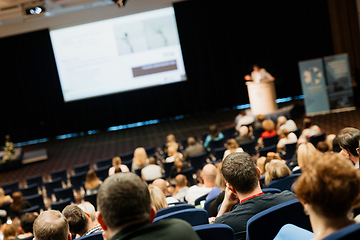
69 236
101 221
152 213
231 188
88 215
259 172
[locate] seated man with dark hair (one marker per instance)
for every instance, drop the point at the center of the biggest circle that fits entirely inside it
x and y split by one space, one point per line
79 221
125 212
26 222
348 140
243 189
194 148
51 225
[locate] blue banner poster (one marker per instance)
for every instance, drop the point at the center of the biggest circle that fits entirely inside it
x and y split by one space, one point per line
339 81
314 87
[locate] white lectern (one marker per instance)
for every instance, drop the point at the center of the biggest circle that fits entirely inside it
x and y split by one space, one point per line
262 97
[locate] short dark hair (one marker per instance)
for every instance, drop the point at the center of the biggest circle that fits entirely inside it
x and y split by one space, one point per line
349 140
51 225
123 198
240 171
322 146
77 219
27 221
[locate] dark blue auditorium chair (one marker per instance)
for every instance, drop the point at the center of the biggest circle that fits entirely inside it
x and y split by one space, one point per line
63 193
77 180
219 152
265 150
91 198
346 233
126 156
207 205
249 147
30 190
198 161
35 179
214 231
201 198
81 168
36 199
35 208
317 138
188 173
105 162
13 186
175 208
266 224
102 173
290 150
59 174
50 186
60 205
193 216
284 183
269 141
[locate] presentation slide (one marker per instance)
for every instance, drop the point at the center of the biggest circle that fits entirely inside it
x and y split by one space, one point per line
121 54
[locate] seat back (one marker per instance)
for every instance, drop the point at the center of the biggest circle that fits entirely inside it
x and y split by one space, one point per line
77 180
346 233
219 152
284 183
257 133
201 198
270 221
102 173
188 173
216 144
167 167
209 231
30 190
91 198
128 163
193 216
249 147
35 208
207 205
198 161
60 174
269 141
35 179
50 186
298 132
60 205
63 193
105 162
228 132
290 150
264 151
81 168
93 236
36 199
13 186
150 151
175 208
317 138
126 156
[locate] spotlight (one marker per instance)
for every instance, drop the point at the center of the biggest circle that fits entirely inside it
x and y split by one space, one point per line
120 3
36 10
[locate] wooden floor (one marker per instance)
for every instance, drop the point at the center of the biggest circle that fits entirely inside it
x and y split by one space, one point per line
69 152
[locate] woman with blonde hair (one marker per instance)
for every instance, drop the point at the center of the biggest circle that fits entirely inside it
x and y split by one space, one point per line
306 152
276 169
140 159
158 199
92 183
8 231
232 146
328 189
116 161
4 199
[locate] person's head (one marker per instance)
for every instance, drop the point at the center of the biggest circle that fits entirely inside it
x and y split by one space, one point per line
178 163
322 146
51 225
240 171
88 208
244 130
335 145
181 181
281 120
116 161
220 181
329 140
349 141
91 176
172 150
276 169
260 118
77 219
152 160
260 163
122 200
191 141
160 183
117 170
214 131
268 125
8 231
232 144
285 132
17 197
208 174
256 67
158 198
26 221
140 156
330 185
170 138
306 152
307 123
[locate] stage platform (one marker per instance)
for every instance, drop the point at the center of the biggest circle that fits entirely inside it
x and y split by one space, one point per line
35 156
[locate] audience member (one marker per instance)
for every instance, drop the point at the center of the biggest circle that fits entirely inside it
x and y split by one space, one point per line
181 187
194 148
172 154
51 225
179 166
284 123
259 119
208 174
26 222
171 141
328 188
214 135
117 170
4 199
88 208
243 189
9 231
309 129
269 129
140 159
218 190
260 163
125 212
243 119
244 135
276 169
158 199
349 143
335 145
329 140
322 147
305 153
116 161
79 221
18 204
92 182
151 171
162 184
232 146
286 137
